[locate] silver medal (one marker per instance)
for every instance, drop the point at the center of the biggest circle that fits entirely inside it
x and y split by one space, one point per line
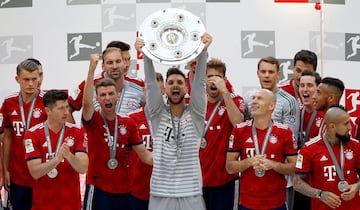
259 172
342 185
203 143
53 173
112 163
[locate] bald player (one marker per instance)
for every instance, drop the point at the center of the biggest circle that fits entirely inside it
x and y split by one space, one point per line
332 162
267 151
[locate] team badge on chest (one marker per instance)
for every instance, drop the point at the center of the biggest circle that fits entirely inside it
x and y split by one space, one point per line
69 141
349 154
221 111
37 113
318 122
273 139
123 129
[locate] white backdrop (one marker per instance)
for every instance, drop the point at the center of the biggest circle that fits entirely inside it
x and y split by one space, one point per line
44 28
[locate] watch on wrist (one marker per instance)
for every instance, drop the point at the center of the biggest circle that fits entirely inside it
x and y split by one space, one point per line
319 194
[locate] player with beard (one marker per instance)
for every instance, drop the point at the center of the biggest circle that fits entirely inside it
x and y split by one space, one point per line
328 94
310 121
303 60
125 51
177 131
110 137
224 110
131 96
140 173
328 165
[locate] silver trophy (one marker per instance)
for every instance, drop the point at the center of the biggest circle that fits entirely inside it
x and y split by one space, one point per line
172 36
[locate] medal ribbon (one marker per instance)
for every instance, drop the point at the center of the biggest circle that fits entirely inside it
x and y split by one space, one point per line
311 121
119 102
212 116
22 112
177 129
48 139
112 141
266 139
339 170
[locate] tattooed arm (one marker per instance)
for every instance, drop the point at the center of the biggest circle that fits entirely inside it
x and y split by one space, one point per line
328 198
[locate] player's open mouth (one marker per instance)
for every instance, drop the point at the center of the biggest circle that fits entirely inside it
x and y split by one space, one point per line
108 105
305 95
213 87
175 92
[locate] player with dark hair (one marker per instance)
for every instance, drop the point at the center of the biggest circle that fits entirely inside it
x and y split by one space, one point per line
56 152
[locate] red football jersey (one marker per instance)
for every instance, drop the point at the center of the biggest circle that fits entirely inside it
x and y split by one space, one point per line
213 156
63 191
315 160
357 129
12 120
288 87
76 97
1 121
281 144
189 80
110 180
140 173
136 81
314 129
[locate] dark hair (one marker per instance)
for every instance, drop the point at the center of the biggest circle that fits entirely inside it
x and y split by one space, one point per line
52 96
26 65
336 83
174 70
308 72
217 64
339 106
119 44
270 59
159 77
106 82
306 56
35 61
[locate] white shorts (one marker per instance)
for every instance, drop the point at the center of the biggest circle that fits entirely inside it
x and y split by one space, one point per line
173 203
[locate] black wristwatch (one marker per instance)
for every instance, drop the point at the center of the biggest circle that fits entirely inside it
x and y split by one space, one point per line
318 195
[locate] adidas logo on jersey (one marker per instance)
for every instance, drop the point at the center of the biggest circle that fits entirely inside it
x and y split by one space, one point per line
323 158
142 126
14 113
45 144
249 140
